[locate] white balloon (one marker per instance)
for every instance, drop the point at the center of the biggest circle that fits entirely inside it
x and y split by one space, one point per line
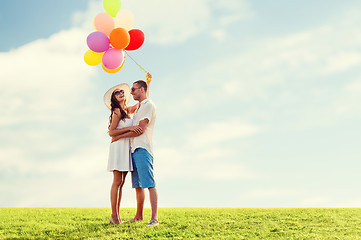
124 19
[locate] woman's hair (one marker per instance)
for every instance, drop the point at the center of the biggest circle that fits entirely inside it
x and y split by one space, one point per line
115 104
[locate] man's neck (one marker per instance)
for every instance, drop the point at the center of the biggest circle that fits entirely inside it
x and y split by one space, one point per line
142 99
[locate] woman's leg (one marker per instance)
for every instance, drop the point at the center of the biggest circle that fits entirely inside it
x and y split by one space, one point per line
123 175
117 180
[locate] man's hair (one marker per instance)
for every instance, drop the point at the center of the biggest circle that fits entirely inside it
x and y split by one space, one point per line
142 84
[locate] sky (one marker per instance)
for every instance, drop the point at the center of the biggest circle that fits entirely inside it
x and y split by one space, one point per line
258 103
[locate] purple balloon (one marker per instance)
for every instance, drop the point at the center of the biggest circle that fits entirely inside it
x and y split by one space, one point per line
98 42
113 58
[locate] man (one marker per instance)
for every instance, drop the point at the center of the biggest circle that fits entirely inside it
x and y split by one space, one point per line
142 152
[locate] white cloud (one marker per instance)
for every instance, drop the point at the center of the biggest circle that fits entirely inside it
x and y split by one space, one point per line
43 89
317 201
347 103
304 56
84 19
175 21
45 101
232 6
283 75
203 154
271 193
353 87
228 171
84 162
40 80
214 133
294 197
341 62
219 34
235 10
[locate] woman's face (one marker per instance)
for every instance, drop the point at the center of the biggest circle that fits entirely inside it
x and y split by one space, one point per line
119 95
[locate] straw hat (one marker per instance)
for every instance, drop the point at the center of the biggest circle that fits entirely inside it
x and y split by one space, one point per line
107 96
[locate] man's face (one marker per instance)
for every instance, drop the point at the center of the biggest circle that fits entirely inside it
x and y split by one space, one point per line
135 91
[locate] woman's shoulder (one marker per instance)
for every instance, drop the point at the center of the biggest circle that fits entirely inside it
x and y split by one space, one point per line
116 110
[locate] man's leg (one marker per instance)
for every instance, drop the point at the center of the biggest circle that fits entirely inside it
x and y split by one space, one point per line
145 178
139 191
153 195
140 203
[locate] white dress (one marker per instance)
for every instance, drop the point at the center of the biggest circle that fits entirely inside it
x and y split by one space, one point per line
119 152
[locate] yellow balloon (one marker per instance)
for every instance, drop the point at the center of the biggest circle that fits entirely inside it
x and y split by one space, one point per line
94 25
93 58
112 7
113 70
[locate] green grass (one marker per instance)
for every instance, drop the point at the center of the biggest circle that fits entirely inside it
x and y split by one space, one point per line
182 223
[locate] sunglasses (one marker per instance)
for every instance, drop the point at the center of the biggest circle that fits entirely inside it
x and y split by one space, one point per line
133 89
119 92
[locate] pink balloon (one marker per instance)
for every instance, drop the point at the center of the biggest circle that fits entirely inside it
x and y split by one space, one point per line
104 23
113 58
98 42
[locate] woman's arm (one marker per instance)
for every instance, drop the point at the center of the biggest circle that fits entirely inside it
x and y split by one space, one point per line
116 132
139 131
113 131
132 109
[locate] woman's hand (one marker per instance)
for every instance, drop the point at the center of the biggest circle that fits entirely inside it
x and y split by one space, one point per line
114 139
136 129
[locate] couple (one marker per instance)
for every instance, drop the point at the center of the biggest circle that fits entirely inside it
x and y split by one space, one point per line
131 147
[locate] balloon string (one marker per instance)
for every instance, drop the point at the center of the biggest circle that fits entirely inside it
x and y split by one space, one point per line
135 62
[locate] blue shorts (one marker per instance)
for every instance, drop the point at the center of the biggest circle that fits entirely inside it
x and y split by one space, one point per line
142 174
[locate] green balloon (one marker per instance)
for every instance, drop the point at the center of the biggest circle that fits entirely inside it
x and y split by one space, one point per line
112 7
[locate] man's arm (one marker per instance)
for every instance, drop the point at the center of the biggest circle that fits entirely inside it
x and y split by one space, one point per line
142 125
148 79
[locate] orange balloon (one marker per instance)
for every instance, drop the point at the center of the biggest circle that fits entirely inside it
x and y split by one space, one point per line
119 38
113 70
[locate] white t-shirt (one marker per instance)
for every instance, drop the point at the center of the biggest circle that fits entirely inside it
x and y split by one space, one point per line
146 110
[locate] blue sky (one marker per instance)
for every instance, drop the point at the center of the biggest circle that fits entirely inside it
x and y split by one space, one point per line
258 103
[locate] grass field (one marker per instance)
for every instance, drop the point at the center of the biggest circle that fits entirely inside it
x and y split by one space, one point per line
182 223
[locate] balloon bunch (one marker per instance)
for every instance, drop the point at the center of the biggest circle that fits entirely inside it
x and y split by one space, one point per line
112 37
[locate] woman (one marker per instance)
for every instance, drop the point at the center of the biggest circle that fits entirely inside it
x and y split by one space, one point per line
119 161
